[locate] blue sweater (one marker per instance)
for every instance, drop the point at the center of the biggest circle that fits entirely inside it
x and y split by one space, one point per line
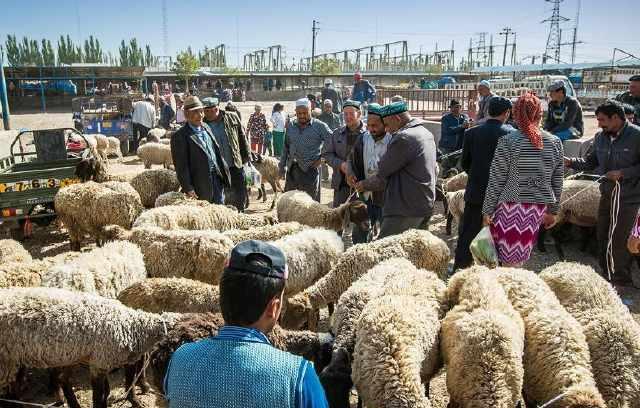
452 131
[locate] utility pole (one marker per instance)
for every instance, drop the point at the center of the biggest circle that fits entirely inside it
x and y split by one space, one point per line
506 32
314 32
491 51
553 40
513 50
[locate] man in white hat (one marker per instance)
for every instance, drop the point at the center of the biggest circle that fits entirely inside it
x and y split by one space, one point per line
197 157
329 92
484 90
303 143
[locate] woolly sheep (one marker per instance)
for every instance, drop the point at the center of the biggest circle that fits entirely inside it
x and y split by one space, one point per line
105 271
455 208
155 134
29 273
265 233
457 182
482 343
13 251
179 295
86 208
200 215
396 351
155 153
393 276
422 248
113 148
170 198
150 184
49 328
556 354
612 333
299 206
267 166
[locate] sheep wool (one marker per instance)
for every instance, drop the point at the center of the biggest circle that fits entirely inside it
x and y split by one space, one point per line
269 171
556 353
482 343
105 271
88 207
26 274
170 198
265 233
456 183
13 251
611 331
155 153
580 201
113 148
420 247
456 204
150 184
179 295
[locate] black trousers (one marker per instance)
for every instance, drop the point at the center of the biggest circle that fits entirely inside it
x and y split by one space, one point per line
307 181
236 194
139 131
467 231
621 256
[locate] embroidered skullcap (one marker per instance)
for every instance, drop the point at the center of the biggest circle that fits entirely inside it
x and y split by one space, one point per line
394 108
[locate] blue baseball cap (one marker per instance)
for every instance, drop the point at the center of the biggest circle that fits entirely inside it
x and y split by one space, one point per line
275 265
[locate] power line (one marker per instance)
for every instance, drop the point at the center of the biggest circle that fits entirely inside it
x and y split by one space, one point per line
552 49
506 32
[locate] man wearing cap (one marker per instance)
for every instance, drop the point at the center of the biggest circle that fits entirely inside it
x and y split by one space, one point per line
484 90
477 154
363 91
564 115
328 116
197 157
632 96
452 127
234 147
301 156
338 147
363 163
329 92
409 170
239 367
143 119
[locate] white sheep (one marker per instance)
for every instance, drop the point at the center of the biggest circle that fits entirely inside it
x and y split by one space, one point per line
267 166
150 184
455 208
29 273
86 208
422 248
611 331
300 207
13 251
179 295
457 182
170 198
114 148
265 233
155 153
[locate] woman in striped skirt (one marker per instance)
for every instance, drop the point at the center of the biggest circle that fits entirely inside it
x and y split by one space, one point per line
525 184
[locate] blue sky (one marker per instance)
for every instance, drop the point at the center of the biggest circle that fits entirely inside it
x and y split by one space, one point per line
246 26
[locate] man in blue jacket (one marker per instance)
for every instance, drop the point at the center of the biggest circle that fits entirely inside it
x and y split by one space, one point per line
363 90
452 127
239 367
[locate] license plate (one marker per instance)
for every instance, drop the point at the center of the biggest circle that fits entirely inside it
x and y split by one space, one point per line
36 184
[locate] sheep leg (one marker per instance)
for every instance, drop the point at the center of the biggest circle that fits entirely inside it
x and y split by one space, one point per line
330 306
449 223
541 237
557 242
62 377
359 402
275 187
130 372
100 388
259 193
263 193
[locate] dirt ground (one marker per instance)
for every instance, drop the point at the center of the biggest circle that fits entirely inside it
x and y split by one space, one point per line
51 241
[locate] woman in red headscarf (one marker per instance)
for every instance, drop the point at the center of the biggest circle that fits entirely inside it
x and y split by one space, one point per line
525 184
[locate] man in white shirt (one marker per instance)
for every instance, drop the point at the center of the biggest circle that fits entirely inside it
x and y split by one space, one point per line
143 118
279 123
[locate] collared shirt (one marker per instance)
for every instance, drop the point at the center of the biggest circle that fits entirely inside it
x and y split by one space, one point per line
372 152
180 115
144 114
308 392
207 143
217 127
278 120
303 145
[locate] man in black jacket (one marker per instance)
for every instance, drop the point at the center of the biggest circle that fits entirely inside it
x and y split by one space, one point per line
477 153
564 116
201 170
615 155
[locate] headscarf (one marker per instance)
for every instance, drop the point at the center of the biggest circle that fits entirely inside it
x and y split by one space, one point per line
527 113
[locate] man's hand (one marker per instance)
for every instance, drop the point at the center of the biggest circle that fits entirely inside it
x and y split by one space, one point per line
352 181
633 245
567 162
466 125
343 167
317 163
549 221
614 175
486 220
359 186
192 194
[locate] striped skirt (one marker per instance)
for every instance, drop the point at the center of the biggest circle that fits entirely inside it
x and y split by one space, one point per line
515 229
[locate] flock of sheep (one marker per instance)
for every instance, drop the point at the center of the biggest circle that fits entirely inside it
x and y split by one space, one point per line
506 337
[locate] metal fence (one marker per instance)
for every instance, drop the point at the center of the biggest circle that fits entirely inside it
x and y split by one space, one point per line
427 102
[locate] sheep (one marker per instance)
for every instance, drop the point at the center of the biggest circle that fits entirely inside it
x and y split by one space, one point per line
179 295
105 271
393 276
113 148
200 215
29 273
267 166
299 206
482 343
155 153
455 209
396 351
170 198
556 354
456 183
266 233
152 183
194 327
13 251
155 134
88 207
56 328
422 248
612 333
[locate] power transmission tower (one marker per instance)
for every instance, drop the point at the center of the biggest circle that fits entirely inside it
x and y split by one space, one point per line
314 31
506 32
165 31
553 40
575 41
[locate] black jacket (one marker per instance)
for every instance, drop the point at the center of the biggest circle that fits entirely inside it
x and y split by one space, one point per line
622 154
572 117
477 154
335 97
356 167
192 165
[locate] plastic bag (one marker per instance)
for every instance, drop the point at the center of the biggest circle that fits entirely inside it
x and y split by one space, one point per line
483 249
252 176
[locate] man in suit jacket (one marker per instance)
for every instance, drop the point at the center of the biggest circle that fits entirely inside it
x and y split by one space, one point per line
200 167
477 153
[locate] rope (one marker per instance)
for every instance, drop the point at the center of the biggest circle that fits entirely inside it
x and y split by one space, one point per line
553 400
581 191
33 404
613 222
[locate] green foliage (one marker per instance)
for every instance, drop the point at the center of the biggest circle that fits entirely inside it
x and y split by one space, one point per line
326 66
92 50
186 65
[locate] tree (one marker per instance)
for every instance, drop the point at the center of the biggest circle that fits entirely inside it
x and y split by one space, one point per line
13 53
326 66
48 56
149 60
124 54
92 50
186 65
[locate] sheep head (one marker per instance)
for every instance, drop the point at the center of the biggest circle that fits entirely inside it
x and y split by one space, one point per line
116 232
298 311
91 168
581 396
336 379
